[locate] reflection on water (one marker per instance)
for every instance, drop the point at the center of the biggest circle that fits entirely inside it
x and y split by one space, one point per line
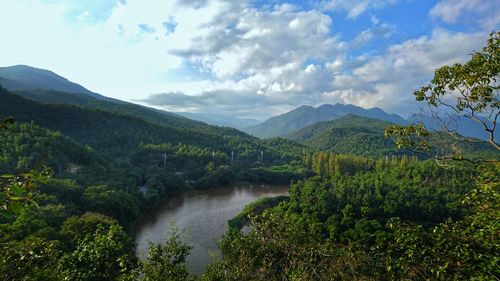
203 214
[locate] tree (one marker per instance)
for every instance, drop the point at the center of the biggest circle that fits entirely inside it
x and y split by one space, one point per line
466 248
5 123
30 259
16 192
107 254
76 228
469 90
167 261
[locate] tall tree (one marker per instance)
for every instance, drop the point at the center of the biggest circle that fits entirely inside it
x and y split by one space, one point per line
469 90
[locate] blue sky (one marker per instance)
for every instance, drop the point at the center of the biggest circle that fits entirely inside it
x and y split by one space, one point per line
247 58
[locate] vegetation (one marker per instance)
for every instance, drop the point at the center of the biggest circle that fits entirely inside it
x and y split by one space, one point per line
386 219
254 208
75 180
470 90
167 261
402 220
350 134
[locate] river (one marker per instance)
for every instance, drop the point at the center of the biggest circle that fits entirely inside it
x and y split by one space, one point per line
203 214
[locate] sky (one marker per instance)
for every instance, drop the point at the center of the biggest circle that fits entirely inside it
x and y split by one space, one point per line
244 58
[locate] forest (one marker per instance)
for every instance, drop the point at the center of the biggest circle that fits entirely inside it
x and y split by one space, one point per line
76 179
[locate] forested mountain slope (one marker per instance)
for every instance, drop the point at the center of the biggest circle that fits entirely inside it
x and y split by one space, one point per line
349 134
363 136
151 115
117 126
48 87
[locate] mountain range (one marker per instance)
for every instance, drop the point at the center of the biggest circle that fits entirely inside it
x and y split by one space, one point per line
105 122
303 116
349 134
47 87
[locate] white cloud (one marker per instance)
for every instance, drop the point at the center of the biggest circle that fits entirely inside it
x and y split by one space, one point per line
486 13
389 80
227 56
249 40
115 57
450 10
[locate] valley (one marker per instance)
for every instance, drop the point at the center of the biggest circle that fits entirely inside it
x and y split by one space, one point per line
92 187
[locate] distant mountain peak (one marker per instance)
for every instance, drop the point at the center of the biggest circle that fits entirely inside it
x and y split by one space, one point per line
302 116
25 77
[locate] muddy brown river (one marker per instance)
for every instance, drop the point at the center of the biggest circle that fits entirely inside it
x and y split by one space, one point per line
203 214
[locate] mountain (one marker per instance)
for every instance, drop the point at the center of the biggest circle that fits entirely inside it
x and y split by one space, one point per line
462 125
96 128
220 120
152 115
119 129
303 116
44 86
23 77
363 136
350 134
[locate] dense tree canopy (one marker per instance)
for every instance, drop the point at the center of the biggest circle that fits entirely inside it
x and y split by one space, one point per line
74 181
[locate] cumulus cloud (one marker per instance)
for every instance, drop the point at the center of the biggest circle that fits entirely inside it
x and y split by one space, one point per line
232 56
229 102
197 4
388 80
482 12
382 31
250 41
385 81
283 57
259 58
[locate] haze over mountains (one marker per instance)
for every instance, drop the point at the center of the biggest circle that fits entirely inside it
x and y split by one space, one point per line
48 87
220 120
459 124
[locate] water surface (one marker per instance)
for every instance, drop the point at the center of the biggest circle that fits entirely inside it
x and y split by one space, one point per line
203 214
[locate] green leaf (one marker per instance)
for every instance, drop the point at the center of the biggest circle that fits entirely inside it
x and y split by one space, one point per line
17 190
16 207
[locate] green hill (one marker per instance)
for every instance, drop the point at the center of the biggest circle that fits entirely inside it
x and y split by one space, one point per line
114 133
363 136
100 129
350 134
158 117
